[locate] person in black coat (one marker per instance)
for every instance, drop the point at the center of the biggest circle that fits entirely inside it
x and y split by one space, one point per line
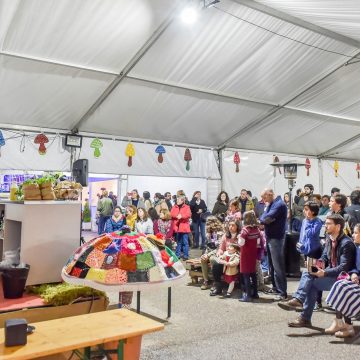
221 206
198 208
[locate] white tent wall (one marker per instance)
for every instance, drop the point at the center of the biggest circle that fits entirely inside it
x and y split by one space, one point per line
347 179
12 158
114 161
256 173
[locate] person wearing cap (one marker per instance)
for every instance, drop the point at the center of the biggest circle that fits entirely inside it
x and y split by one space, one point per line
298 209
230 260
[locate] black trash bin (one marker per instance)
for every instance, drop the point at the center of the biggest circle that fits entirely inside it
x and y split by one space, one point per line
14 280
292 256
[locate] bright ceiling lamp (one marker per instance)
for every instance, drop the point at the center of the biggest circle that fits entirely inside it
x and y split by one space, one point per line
189 15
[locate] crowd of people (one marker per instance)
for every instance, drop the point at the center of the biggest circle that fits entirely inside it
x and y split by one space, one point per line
244 237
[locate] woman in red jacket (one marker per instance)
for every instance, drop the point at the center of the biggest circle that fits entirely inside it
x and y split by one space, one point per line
181 214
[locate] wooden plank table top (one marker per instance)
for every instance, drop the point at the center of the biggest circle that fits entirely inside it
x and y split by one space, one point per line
76 332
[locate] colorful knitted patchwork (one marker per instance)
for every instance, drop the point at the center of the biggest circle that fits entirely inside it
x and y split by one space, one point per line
127 262
103 243
96 274
144 261
123 262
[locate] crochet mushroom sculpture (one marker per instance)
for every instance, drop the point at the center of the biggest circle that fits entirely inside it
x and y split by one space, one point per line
336 168
358 170
187 158
307 166
130 153
41 139
237 161
96 144
2 141
160 150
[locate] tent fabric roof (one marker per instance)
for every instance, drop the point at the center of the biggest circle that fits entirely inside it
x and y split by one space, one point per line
279 80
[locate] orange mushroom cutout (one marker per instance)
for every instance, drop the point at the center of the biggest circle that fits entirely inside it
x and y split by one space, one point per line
130 153
237 161
41 139
358 170
187 158
276 160
307 166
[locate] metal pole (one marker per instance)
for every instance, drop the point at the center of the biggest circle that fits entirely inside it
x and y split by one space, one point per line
138 294
169 302
290 208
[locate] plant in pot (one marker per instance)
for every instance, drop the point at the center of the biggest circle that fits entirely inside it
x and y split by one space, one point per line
86 223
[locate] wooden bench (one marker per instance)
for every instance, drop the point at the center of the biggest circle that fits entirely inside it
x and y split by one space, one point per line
195 271
122 328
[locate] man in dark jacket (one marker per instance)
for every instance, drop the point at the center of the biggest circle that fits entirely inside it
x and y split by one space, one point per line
274 219
354 209
339 255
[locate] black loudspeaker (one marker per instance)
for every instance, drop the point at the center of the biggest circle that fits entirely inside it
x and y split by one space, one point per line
15 332
80 171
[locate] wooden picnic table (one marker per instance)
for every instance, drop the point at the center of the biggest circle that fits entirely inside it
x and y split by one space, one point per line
83 332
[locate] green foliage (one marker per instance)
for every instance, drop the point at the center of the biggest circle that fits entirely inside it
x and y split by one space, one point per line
63 294
45 179
86 213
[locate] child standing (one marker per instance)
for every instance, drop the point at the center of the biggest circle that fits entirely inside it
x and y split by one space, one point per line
248 240
230 260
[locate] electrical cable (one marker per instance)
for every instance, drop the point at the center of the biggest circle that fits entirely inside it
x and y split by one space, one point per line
283 36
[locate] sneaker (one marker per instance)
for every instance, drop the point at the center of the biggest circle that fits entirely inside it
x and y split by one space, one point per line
293 304
318 307
227 295
271 291
205 285
245 298
336 325
280 297
299 322
346 332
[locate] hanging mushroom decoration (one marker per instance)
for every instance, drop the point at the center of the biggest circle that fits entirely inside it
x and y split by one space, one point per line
336 168
130 153
187 158
237 161
41 139
307 166
2 141
276 160
358 170
96 144
160 150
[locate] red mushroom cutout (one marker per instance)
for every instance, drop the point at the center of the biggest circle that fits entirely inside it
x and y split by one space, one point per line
187 158
41 139
307 166
237 161
358 170
275 160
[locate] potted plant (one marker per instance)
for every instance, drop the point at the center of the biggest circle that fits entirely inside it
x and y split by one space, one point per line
86 219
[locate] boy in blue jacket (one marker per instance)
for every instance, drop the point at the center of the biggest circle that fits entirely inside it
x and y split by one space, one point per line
309 240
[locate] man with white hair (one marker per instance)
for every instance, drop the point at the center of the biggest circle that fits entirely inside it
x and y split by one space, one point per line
274 219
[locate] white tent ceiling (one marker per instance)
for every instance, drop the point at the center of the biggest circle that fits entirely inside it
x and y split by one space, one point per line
280 76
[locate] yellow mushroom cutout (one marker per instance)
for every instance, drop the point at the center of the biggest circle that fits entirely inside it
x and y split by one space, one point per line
336 168
96 144
130 153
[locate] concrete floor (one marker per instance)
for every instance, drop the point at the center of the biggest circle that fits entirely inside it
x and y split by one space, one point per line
212 328
209 328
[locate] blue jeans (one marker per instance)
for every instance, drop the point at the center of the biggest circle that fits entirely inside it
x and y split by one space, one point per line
308 290
101 224
276 250
196 226
182 240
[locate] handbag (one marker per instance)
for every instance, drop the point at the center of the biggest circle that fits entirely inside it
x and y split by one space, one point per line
204 216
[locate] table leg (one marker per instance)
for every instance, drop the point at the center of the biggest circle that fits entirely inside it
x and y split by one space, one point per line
120 350
138 294
169 302
87 353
